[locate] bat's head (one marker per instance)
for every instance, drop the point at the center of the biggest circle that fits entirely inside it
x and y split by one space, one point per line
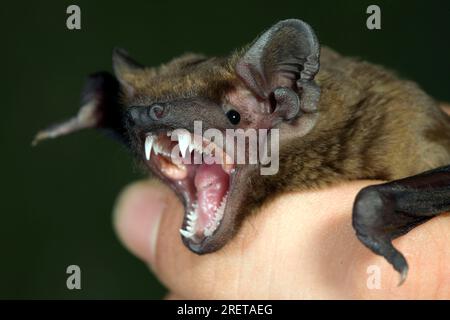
195 121
182 115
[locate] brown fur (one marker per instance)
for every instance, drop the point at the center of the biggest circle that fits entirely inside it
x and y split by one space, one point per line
187 76
372 125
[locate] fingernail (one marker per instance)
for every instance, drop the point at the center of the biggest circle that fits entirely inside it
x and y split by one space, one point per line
137 216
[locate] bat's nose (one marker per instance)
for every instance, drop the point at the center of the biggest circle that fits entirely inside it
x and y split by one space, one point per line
144 115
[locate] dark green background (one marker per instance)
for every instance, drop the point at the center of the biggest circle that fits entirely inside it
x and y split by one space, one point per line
56 199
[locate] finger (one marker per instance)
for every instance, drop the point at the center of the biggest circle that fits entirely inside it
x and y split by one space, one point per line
137 215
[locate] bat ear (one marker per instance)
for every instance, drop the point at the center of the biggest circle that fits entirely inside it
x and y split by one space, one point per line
125 68
286 55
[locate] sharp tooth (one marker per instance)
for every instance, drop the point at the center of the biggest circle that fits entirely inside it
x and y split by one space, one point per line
148 146
190 229
156 148
218 215
207 232
184 141
192 216
185 233
191 147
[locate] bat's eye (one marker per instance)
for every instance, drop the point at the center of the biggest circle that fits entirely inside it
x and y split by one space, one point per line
234 116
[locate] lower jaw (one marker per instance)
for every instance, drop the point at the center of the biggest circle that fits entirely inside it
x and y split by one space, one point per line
204 192
203 187
205 206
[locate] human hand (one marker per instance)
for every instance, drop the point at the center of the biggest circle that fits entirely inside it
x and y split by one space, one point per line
300 246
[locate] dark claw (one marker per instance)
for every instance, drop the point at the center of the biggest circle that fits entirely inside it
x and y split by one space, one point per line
384 247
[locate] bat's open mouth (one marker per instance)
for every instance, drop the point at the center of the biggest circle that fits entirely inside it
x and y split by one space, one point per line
200 171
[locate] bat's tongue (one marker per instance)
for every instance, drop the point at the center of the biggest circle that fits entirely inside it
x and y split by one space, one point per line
212 184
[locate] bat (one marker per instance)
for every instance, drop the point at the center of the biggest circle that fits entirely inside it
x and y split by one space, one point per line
336 118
